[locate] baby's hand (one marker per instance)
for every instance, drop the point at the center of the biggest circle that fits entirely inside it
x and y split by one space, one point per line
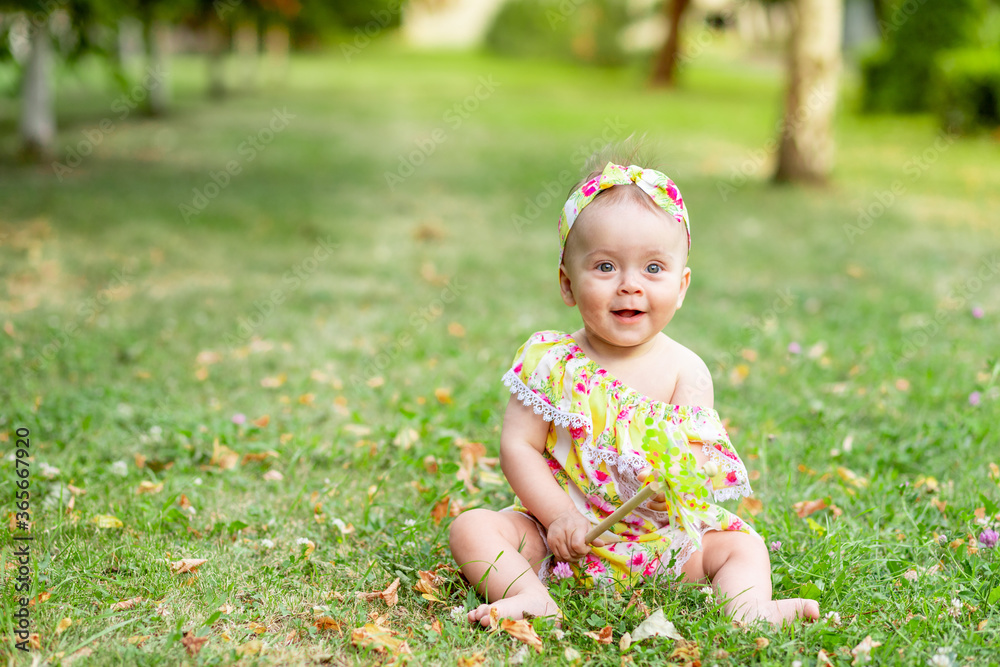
657 503
566 534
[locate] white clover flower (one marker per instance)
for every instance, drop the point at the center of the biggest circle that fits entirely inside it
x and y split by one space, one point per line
832 617
940 659
197 481
155 431
47 471
911 575
457 614
266 543
340 525
409 523
119 468
303 540
796 663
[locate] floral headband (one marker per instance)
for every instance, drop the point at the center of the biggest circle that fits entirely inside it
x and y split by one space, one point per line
661 190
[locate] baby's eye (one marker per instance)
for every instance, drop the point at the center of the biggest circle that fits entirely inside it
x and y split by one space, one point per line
654 268
605 267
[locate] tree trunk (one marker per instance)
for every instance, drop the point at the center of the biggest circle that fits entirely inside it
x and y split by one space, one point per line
247 43
156 36
215 38
38 117
806 149
665 66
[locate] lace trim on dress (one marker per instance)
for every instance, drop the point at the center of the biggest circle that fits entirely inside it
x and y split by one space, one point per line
549 412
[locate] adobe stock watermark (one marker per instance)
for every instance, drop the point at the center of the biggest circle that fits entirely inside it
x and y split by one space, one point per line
363 35
755 159
901 13
122 106
418 321
957 298
914 168
247 151
86 313
291 280
453 117
556 190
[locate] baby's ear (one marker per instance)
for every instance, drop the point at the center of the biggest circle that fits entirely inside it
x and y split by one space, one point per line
685 282
566 287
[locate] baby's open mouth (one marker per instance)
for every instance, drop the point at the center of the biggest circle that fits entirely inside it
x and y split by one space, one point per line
627 313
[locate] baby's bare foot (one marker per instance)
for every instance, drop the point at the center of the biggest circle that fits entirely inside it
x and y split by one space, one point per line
516 607
777 612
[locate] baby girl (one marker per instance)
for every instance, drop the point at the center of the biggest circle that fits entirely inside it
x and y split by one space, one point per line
586 412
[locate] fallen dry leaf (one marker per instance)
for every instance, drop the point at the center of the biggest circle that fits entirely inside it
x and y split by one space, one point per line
636 601
436 626
687 651
223 457
852 477
84 652
474 660
125 604
762 643
750 505
193 644
257 628
107 521
378 638
455 329
187 565
862 652
428 584
262 421
656 625
257 457
273 476
522 631
602 636
443 395
625 642
273 381
138 640
252 647
63 625
390 595
145 486
822 660
804 508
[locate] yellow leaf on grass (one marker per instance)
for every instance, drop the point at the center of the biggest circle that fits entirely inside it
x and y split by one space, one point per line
252 647
63 625
852 477
428 584
256 628
816 528
107 521
378 638
523 632
257 457
474 660
138 640
201 374
273 381
262 421
687 651
455 329
443 395
145 486
223 457
187 565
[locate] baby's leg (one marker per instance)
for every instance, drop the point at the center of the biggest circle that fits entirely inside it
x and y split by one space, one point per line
739 568
500 554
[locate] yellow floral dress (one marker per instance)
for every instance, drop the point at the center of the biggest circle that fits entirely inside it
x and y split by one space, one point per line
602 434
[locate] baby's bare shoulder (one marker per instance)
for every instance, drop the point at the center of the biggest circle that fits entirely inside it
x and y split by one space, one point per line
694 380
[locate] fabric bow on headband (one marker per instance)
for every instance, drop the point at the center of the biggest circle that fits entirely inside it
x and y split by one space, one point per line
657 185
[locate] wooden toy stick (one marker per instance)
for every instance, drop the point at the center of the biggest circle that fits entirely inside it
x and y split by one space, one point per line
646 492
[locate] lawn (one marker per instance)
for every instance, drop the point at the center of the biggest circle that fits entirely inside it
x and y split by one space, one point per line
269 333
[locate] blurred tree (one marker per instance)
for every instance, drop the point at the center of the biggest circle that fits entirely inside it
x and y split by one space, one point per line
665 65
914 32
805 153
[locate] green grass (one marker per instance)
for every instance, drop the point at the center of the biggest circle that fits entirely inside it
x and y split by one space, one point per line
107 286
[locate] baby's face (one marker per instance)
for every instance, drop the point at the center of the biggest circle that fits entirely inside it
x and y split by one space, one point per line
625 268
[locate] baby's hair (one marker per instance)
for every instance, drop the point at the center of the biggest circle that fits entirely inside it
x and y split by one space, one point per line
631 150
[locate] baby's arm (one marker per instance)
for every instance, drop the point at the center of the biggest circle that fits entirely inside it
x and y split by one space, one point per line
694 387
522 442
